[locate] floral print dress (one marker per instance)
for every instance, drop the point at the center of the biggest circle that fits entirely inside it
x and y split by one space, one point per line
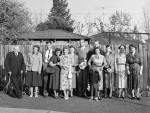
65 81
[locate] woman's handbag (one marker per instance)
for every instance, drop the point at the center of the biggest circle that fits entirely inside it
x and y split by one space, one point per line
50 69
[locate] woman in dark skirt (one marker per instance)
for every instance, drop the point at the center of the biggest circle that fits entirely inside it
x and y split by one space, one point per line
34 65
55 76
134 70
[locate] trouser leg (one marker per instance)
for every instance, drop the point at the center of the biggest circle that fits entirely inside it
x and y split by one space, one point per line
96 90
84 74
91 90
80 82
45 84
16 80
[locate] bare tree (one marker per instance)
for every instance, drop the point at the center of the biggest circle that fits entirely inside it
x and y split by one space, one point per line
78 27
98 24
145 25
37 18
89 24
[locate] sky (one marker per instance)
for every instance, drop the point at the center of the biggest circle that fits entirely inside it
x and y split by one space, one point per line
96 8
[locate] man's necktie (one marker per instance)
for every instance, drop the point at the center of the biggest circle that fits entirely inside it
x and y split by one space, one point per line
16 54
49 54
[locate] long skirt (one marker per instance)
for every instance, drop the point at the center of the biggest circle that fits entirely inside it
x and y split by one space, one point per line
73 80
134 79
121 78
108 80
100 84
65 82
55 79
82 76
33 79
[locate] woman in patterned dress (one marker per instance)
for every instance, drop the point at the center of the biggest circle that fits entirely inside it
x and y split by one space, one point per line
74 64
120 68
65 80
98 61
134 69
109 72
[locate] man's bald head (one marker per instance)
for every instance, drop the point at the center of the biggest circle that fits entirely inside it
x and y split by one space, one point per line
16 49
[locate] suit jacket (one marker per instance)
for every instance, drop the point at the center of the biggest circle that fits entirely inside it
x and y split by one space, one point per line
45 56
82 54
34 62
14 63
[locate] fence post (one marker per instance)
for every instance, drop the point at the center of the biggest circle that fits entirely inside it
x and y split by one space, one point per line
109 38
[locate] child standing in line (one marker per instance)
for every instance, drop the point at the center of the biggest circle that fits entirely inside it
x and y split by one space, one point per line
94 79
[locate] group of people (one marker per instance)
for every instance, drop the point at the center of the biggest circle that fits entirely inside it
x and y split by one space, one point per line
97 71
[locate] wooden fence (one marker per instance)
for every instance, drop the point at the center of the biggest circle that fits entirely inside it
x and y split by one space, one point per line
144 51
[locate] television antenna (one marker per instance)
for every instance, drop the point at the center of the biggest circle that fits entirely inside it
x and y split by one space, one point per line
103 8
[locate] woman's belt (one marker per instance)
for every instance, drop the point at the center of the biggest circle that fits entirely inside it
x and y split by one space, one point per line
133 63
121 64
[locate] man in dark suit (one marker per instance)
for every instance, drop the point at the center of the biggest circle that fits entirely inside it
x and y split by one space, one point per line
91 52
47 54
15 66
83 70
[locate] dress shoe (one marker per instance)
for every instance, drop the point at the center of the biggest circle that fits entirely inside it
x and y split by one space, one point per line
105 96
138 98
99 98
31 95
84 95
96 99
80 95
36 95
133 98
66 98
110 97
20 97
91 98
45 94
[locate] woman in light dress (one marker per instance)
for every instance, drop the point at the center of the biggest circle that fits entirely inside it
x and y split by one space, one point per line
98 61
120 69
74 64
